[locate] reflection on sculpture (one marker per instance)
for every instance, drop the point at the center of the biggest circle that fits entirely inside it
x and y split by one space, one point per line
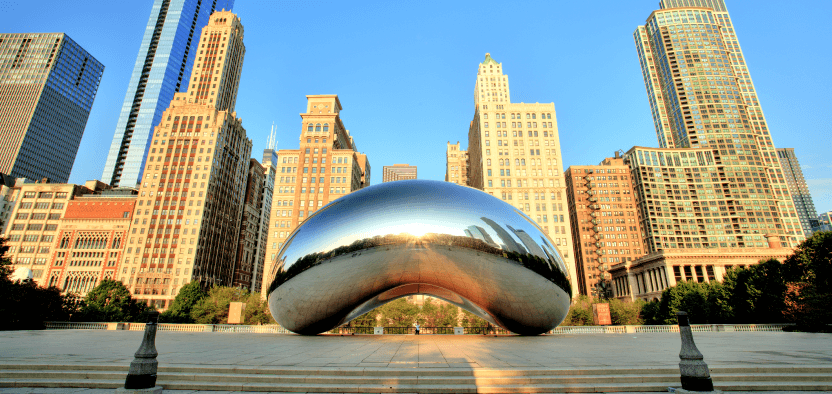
419 237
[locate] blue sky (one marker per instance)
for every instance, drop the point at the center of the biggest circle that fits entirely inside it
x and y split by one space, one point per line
405 70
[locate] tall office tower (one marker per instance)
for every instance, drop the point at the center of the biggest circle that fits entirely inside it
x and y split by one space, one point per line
604 218
246 261
456 164
47 86
270 169
6 200
824 222
701 96
798 189
325 167
398 172
514 154
192 193
693 227
163 67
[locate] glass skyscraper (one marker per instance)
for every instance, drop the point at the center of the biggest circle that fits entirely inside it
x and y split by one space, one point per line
162 68
799 190
701 96
47 87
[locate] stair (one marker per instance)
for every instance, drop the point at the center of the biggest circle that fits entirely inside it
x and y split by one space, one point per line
421 380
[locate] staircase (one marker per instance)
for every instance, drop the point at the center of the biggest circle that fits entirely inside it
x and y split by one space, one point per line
421 380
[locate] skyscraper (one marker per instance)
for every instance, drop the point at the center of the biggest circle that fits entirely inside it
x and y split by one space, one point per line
604 219
325 167
163 67
398 172
514 155
701 96
192 195
799 190
47 87
456 164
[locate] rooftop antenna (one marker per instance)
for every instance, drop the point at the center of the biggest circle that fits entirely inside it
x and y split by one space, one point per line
272 138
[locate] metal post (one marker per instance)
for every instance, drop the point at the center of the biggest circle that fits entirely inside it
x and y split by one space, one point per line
695 375
142 374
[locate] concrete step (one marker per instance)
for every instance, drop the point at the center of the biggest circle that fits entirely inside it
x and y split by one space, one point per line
422 380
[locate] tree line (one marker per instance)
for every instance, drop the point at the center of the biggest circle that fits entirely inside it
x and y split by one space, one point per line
795 291
26 306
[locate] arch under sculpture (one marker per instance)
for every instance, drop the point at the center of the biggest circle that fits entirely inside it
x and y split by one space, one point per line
402 238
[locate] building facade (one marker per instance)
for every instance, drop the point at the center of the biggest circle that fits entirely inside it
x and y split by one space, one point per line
47 84
90 243
270 170
604 219
824 222
456 164
697 217
247 255
398 172
34 224
514 155
798 189
191 198
648 276
325 167
163 67
701 96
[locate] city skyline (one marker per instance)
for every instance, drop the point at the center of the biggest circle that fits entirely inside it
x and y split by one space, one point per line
437 89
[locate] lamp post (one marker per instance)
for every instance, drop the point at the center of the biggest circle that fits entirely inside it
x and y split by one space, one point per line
141 378
695 375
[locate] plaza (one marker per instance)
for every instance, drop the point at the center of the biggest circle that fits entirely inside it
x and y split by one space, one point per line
464 363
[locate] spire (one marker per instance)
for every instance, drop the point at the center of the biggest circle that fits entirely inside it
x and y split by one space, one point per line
488 59
272 138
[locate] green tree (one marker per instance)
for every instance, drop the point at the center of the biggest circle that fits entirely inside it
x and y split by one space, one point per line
701 301
398 313
755 294
180 309
580 312
809 293
24 305
471 320
366 320
110 301
213 309
438 314
650 313
626 313
688 296
257 310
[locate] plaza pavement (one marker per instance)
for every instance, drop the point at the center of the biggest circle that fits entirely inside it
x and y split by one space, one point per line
721 349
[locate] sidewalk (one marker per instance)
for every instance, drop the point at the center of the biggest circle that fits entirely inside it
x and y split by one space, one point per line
409 351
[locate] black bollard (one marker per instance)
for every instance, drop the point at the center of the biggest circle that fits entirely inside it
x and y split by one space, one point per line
142 374
694 371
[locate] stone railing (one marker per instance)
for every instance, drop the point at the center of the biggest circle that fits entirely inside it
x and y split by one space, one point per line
264 329
652 329
276 329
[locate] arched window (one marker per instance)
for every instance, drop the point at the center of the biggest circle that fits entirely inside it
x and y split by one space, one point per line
488 162
309 128
318 127
326 126
517 162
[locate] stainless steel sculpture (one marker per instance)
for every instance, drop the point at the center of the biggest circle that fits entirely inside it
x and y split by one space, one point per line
419 237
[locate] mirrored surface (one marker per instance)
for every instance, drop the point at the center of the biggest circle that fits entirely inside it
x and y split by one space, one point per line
419 237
